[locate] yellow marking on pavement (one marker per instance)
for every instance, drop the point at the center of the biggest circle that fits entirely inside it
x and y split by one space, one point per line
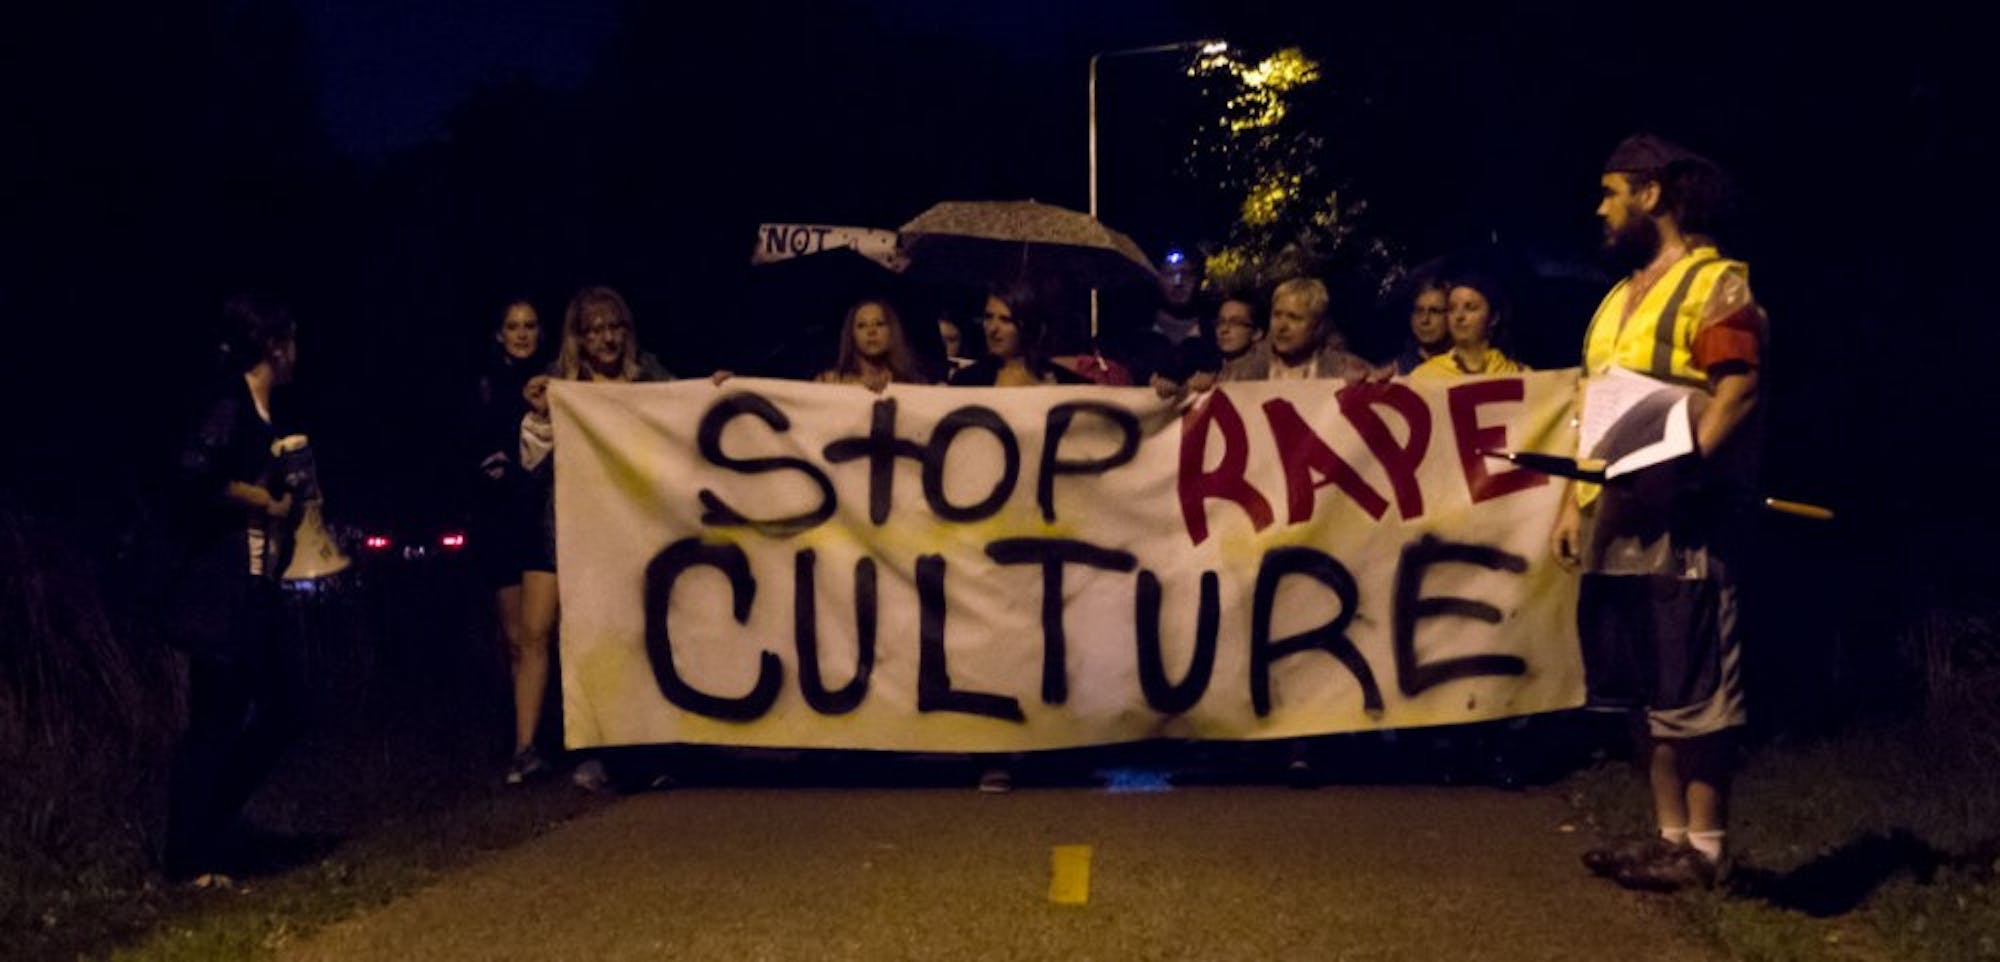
1069 875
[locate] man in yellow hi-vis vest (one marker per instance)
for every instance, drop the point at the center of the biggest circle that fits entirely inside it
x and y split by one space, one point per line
1658 612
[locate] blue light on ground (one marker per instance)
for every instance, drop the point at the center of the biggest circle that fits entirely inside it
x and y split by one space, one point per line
1118 780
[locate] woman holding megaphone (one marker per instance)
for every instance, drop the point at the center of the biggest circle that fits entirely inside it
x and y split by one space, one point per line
246 689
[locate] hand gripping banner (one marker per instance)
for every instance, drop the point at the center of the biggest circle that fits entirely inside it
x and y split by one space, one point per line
774 563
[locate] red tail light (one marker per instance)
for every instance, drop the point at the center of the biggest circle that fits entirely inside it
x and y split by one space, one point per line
453 541
376 542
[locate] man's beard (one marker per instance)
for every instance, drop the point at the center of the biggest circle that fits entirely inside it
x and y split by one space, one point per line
1635 245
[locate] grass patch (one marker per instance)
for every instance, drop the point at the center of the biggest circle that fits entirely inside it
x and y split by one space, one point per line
396 784
394 810
399 858
1878 843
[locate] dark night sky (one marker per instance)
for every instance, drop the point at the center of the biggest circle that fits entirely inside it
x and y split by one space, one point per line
389 71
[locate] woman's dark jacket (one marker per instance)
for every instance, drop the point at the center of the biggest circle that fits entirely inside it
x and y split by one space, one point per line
205 563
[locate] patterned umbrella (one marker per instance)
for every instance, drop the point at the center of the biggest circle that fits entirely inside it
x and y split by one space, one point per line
1002 242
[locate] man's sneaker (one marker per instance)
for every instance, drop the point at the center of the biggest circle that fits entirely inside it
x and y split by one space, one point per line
1682 868
527 765
1608 860
996 781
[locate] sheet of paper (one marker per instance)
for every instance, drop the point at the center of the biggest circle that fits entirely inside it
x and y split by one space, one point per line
1676 439
1606 398
1633 422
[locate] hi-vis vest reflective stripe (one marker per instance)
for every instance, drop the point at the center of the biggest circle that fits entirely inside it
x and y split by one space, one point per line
1657 338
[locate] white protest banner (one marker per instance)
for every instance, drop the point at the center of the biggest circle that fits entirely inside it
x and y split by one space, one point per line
780 242
775 563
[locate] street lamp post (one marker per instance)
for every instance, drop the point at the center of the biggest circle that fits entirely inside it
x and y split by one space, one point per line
1209 46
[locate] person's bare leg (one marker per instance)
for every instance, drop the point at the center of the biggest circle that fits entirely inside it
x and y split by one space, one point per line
1663 773
539 605
1706 770
1706 766
507 618
1670 814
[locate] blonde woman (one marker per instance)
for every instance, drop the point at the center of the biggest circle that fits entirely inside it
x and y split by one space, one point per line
598 344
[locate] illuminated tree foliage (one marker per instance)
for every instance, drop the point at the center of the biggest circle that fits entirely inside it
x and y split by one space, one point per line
1264 147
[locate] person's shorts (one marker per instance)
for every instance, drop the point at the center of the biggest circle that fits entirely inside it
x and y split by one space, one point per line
541 554
1669 646
503 530
503 546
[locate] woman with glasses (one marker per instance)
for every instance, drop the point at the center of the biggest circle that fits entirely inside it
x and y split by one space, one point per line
1430 333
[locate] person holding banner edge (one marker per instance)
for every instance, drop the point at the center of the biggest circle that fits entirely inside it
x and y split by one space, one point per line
598 344
1658 613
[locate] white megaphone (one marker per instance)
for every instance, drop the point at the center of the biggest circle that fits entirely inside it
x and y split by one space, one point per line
314 552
